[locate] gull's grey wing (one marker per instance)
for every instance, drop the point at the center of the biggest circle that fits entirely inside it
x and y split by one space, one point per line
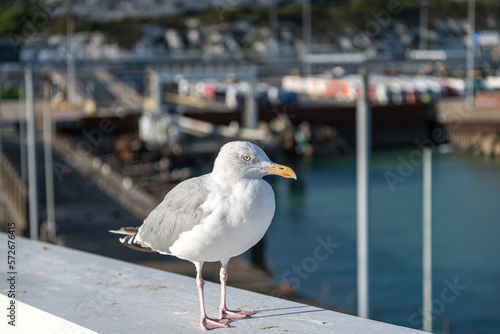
179 211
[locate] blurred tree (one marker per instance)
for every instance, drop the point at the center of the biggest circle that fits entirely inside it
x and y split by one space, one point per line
15 17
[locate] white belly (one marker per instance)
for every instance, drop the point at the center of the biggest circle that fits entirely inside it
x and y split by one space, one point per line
237 221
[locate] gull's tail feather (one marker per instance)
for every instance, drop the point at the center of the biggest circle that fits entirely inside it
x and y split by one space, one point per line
129 239
126 231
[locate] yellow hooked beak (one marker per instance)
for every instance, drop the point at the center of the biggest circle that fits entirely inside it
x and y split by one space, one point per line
281 170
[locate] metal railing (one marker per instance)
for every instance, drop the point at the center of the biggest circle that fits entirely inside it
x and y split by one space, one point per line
15 194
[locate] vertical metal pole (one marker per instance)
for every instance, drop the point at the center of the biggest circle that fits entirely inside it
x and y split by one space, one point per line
22 134
31 141
427 236
471 19
363 139
70 57
5 69
1 88
306 35
424 18
3 221
274 26
49 179
155 89
251 117
2 212
2 199
157 92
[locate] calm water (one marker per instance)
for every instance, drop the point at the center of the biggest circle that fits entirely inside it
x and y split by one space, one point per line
466 238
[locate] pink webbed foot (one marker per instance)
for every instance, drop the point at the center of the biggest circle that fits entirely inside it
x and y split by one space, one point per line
228 314
209 323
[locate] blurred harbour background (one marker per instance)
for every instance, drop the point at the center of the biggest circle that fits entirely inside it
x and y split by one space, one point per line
465 229
106 106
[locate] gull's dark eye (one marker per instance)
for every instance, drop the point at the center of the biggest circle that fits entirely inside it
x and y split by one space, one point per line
246 158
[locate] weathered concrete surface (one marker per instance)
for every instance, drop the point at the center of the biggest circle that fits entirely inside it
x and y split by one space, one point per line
111 296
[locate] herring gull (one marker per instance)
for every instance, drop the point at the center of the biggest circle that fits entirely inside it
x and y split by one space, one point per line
213 217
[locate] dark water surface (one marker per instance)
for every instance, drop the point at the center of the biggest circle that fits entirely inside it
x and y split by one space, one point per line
320 209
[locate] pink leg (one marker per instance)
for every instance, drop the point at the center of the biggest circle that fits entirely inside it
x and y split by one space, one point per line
224 313
207 323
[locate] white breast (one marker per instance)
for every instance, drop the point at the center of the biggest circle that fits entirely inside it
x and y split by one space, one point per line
237 221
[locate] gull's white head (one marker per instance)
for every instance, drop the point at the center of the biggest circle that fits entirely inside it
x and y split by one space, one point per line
242 159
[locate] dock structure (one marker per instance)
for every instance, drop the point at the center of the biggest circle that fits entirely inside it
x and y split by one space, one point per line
97 84
392 125
60 290
156 123
15 196
471 129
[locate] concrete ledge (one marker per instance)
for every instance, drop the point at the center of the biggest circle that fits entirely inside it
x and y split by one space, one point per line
38 321
60 290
